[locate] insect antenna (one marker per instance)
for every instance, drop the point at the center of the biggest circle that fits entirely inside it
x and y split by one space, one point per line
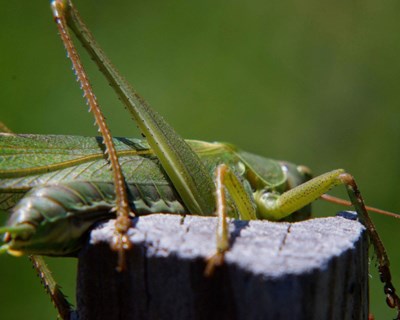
346 203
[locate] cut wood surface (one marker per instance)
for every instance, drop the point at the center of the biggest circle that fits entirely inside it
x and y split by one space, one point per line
315 269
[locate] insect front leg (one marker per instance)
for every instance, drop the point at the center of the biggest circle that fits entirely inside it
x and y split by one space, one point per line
58 298
64 308
273 206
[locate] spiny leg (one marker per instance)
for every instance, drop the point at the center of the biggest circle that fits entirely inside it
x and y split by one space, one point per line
64 308
392 299
183 166
58 298
123 222
225 178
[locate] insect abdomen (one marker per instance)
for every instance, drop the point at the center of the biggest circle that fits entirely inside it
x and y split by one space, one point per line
91 202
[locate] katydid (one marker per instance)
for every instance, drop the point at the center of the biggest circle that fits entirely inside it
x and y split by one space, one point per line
65 196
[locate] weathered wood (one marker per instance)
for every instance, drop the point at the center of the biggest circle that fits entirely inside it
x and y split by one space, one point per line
316 269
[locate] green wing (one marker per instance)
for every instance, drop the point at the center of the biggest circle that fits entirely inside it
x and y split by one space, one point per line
30 160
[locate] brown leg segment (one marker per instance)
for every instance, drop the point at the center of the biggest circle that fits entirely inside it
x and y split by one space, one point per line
392 298
59 300
121 242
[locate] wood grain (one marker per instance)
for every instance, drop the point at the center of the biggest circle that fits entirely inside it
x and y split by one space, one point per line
315 269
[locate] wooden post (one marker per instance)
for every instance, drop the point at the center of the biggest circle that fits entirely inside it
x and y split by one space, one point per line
316 269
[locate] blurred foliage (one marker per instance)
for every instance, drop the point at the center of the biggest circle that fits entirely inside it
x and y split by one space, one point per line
312 82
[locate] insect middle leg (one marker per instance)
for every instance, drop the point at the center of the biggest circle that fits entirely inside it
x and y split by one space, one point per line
226 179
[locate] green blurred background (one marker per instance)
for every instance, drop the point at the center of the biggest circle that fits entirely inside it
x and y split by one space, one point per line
313 82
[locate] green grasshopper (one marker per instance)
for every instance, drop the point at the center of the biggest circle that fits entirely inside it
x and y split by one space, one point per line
187 177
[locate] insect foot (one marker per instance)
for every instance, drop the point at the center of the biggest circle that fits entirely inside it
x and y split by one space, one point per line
120 241
216 260
392 298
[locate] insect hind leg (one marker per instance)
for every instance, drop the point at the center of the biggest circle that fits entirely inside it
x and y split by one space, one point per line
392 299
62 15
